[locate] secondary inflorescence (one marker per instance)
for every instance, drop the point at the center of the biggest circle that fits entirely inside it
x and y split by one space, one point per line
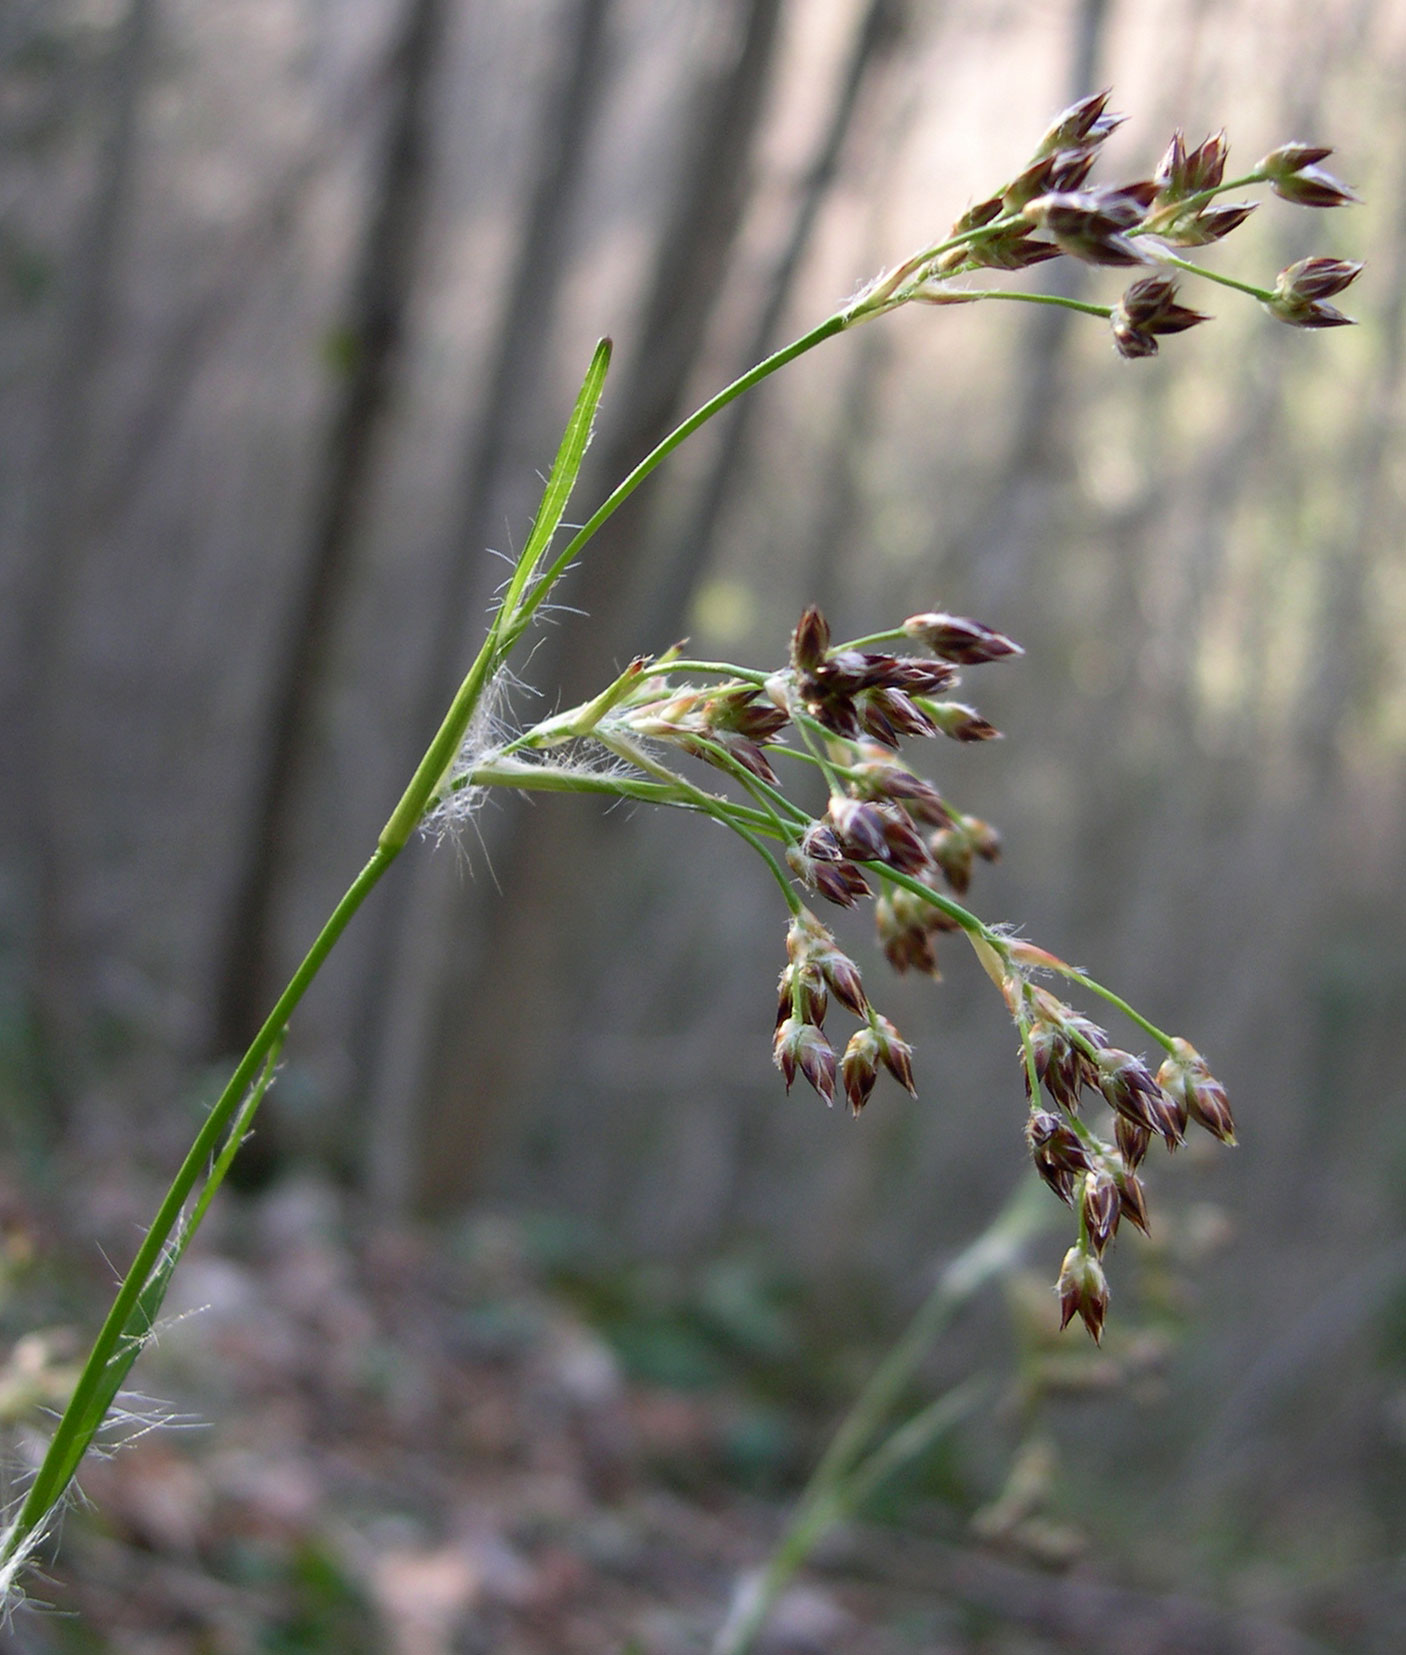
886 832
1050 209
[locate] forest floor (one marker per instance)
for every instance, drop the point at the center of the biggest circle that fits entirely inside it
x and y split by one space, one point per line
433 1443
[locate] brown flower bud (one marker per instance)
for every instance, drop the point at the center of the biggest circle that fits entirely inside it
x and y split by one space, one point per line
1132 1203
1182 172
1057 1152
841 883
743 713
1301 290
955 638
1132 1139
801 992
1295 175
1101 1207
817 960
1129 1089
1083 1291
802 1046
1014 249
1149 308
1203 226
826 872
978 215
888 714
915 675
1092 224
959 722
1058 1038
879 1043
859 827
859 1068
878 777
1185 1077
895 1053
904 848
1086 122
810 640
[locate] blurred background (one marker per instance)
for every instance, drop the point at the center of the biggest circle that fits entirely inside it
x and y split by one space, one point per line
294 298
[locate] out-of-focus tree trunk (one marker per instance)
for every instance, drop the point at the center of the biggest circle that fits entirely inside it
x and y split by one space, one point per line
248 969
407 965
1037 444
880 32
196 331
493 1049
59 548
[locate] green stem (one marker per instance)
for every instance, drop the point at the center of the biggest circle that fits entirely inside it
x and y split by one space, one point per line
622 491
1263 294
843 1471
1150 1029
1086 309
77 1427
720 809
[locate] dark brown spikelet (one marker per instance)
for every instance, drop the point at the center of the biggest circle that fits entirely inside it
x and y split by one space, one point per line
1083 1292
1147 309
1133 1141
859 827
809 641
1294 173
1132 1202
744 713
959 722
1101 1208
1059 1157
1182 172
1129 1089
878 776
1062 1042
1301 291
1092 225
957 639
801 1046
1185 1077
1085 123
879 1043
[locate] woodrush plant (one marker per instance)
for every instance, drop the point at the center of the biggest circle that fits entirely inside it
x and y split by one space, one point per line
839 713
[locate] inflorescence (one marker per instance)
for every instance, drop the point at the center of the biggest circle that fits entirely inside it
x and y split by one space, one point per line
1050 210
887 833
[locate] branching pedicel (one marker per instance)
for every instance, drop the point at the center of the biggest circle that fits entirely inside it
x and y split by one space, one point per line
885 832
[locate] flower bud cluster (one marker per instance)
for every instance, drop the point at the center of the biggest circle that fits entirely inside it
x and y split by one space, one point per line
1149 307
857 693
1295 175
887 815
732 720
816 968
888 832
1051 209
1070 1055
1301 290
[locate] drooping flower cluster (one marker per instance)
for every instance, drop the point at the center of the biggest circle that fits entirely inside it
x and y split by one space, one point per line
1065 1055
1051 209
886 831
816 968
